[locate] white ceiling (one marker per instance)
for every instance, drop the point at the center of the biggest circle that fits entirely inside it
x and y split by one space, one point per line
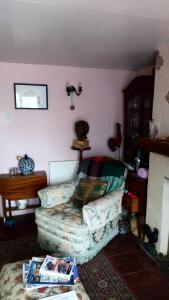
121 34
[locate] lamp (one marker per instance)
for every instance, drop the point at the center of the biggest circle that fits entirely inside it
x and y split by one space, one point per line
70 90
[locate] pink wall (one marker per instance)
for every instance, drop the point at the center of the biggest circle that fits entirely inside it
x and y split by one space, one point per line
48 135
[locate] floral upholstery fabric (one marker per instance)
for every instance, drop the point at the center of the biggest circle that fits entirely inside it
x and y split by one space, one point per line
103 210
83 251
81 233
56 194
11 286
62 228
63 221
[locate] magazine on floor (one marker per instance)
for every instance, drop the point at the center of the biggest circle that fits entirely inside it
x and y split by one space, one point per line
33 279
64 296
25 271
60 266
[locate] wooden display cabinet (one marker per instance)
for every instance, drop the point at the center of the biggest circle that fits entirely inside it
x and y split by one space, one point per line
138 101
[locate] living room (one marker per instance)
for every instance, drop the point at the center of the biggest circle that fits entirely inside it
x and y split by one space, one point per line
102 48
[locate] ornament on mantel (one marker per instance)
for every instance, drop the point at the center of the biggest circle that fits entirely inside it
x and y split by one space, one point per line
153 130
159 61
167 97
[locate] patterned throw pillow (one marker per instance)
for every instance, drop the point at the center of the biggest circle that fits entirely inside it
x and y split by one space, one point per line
87 191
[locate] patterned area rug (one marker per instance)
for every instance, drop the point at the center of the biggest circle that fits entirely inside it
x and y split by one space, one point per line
101 282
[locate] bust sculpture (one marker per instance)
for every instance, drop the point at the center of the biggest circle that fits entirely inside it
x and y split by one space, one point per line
81 129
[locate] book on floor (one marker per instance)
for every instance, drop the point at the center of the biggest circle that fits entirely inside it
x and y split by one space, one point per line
64 296
60 266
32 278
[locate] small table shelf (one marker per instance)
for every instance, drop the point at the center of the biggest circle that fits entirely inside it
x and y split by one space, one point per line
20 187
138 187
15 208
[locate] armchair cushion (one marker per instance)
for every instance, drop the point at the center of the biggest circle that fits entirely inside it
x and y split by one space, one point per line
56 194
113 171
103 210
87 191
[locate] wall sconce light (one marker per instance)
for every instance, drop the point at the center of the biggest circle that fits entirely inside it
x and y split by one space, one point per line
71 90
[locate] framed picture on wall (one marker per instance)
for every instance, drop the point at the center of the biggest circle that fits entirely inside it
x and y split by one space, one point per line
31 96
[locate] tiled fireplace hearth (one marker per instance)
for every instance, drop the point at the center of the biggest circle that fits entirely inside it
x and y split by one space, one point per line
158 199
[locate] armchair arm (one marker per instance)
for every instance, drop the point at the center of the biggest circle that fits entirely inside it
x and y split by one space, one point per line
101 211
56 194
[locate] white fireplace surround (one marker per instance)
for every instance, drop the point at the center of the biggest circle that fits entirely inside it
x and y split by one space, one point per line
158 199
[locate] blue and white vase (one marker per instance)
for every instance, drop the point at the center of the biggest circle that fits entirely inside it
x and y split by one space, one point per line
26 165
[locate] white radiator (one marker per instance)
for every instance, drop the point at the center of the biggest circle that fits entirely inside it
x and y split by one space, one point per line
62 171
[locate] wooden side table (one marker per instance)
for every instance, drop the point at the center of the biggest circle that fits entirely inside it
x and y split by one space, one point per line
20 187
138 187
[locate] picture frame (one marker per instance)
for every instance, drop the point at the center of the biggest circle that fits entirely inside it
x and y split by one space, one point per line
30 96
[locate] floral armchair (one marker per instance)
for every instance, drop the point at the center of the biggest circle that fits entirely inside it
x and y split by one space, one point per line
81 232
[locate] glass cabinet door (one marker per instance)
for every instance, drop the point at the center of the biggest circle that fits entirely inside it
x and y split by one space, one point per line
132 130
138 100
147 113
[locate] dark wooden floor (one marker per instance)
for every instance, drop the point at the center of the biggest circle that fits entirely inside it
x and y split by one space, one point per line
138 271
135 267
24 225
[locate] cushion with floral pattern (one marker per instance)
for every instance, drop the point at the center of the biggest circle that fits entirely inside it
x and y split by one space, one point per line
87 191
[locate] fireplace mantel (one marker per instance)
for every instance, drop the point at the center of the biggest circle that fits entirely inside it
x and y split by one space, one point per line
159 146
